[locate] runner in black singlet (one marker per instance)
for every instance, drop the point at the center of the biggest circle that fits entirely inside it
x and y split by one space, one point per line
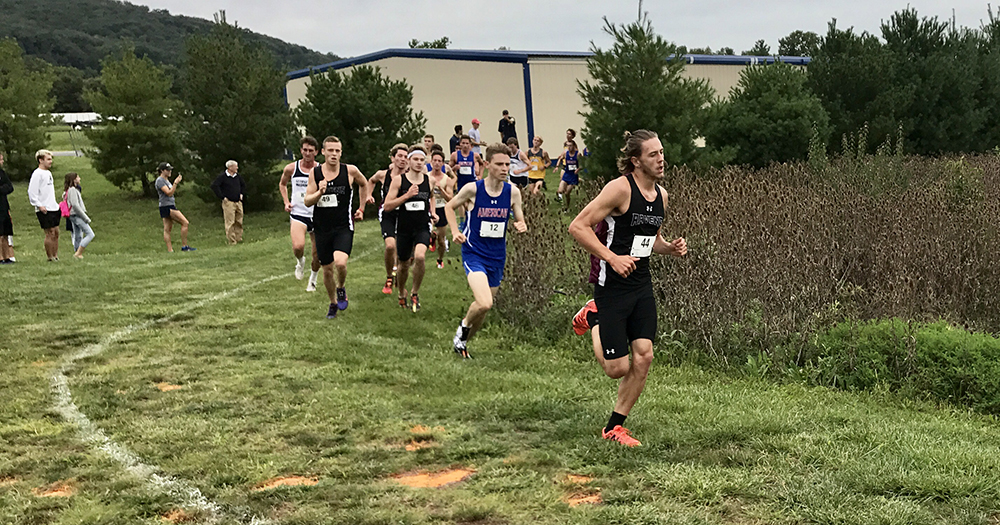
632 207
331 190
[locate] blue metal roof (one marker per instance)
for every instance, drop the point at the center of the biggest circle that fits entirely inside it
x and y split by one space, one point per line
521 57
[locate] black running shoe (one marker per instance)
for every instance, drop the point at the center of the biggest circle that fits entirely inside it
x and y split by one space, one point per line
332 312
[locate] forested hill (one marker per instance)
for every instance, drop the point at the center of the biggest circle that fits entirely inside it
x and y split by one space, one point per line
79 33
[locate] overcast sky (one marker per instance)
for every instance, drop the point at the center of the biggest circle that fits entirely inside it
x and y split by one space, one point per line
351 28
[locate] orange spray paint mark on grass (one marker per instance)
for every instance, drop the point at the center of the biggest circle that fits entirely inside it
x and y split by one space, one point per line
434 480
176 516
8 481
576 478
583 498
167 387
59 489
286 481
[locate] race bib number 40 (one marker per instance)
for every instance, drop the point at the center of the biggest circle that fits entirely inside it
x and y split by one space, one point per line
415 206
642 245
327 201
493 230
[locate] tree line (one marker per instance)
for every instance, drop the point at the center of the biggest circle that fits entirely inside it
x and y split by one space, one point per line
231 105
923 86
73 37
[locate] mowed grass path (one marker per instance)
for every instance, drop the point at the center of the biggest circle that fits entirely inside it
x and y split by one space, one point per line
270 388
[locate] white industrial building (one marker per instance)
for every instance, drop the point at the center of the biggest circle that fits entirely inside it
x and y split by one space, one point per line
538 88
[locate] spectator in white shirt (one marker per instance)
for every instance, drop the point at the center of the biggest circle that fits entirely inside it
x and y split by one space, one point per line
477 141
42 195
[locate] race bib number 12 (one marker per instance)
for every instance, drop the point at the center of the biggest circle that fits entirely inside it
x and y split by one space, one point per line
642 245
494 230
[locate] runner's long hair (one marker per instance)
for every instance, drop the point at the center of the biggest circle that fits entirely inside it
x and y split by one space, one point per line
633 148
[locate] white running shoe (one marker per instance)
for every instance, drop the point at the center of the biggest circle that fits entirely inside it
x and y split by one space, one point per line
447 245
300 270
311 287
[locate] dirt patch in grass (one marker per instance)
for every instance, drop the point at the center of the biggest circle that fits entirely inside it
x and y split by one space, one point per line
6 481
420 429
577 479
420 444
286 481
434 480
59 489
41 363
583 498
167 387
177 516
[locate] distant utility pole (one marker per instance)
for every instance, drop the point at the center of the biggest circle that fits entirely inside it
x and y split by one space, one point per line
640 11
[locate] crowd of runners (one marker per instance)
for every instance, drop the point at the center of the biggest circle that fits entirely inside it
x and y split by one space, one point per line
477 199
425 195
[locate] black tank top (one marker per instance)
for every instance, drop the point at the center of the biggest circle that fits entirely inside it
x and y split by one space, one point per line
632 233
386 182
333 211
415 213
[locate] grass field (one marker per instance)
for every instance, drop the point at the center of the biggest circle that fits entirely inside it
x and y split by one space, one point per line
270 388
64 138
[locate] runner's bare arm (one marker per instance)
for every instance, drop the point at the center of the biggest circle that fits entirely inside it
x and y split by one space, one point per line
453 161
480 166
359 178
392 199
314 191
286 178
466 194
379 176
613 198
515 202
526 161
677 247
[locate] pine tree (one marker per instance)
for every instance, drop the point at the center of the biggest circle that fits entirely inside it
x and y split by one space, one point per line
24 108
640 84
234 94
366 110
139 126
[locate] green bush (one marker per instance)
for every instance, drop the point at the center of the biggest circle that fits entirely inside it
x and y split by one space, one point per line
935 361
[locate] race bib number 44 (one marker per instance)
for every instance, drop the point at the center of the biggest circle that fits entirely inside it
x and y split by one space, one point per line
642 245
493 230
327 201
415 206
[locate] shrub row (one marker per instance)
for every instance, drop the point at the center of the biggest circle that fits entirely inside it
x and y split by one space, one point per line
786 260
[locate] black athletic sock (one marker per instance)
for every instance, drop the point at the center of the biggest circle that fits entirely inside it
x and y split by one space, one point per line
465 331
616 419
592 319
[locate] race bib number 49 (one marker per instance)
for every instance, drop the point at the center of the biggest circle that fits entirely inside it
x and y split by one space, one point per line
493 230
415 206
327 201
642 245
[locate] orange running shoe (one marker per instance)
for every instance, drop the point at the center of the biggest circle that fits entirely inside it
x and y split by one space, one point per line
387 289
621 435
580 324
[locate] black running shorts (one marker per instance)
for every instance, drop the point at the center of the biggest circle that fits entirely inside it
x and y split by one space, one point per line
406 241
442 218
49 219
338 240
388 221
625 316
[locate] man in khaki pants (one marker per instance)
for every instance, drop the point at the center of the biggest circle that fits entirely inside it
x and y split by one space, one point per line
229 187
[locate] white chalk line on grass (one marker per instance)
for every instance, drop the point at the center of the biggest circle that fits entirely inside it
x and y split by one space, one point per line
189 496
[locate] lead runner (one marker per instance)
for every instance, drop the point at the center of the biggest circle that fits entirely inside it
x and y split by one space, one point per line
632 206
484 242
